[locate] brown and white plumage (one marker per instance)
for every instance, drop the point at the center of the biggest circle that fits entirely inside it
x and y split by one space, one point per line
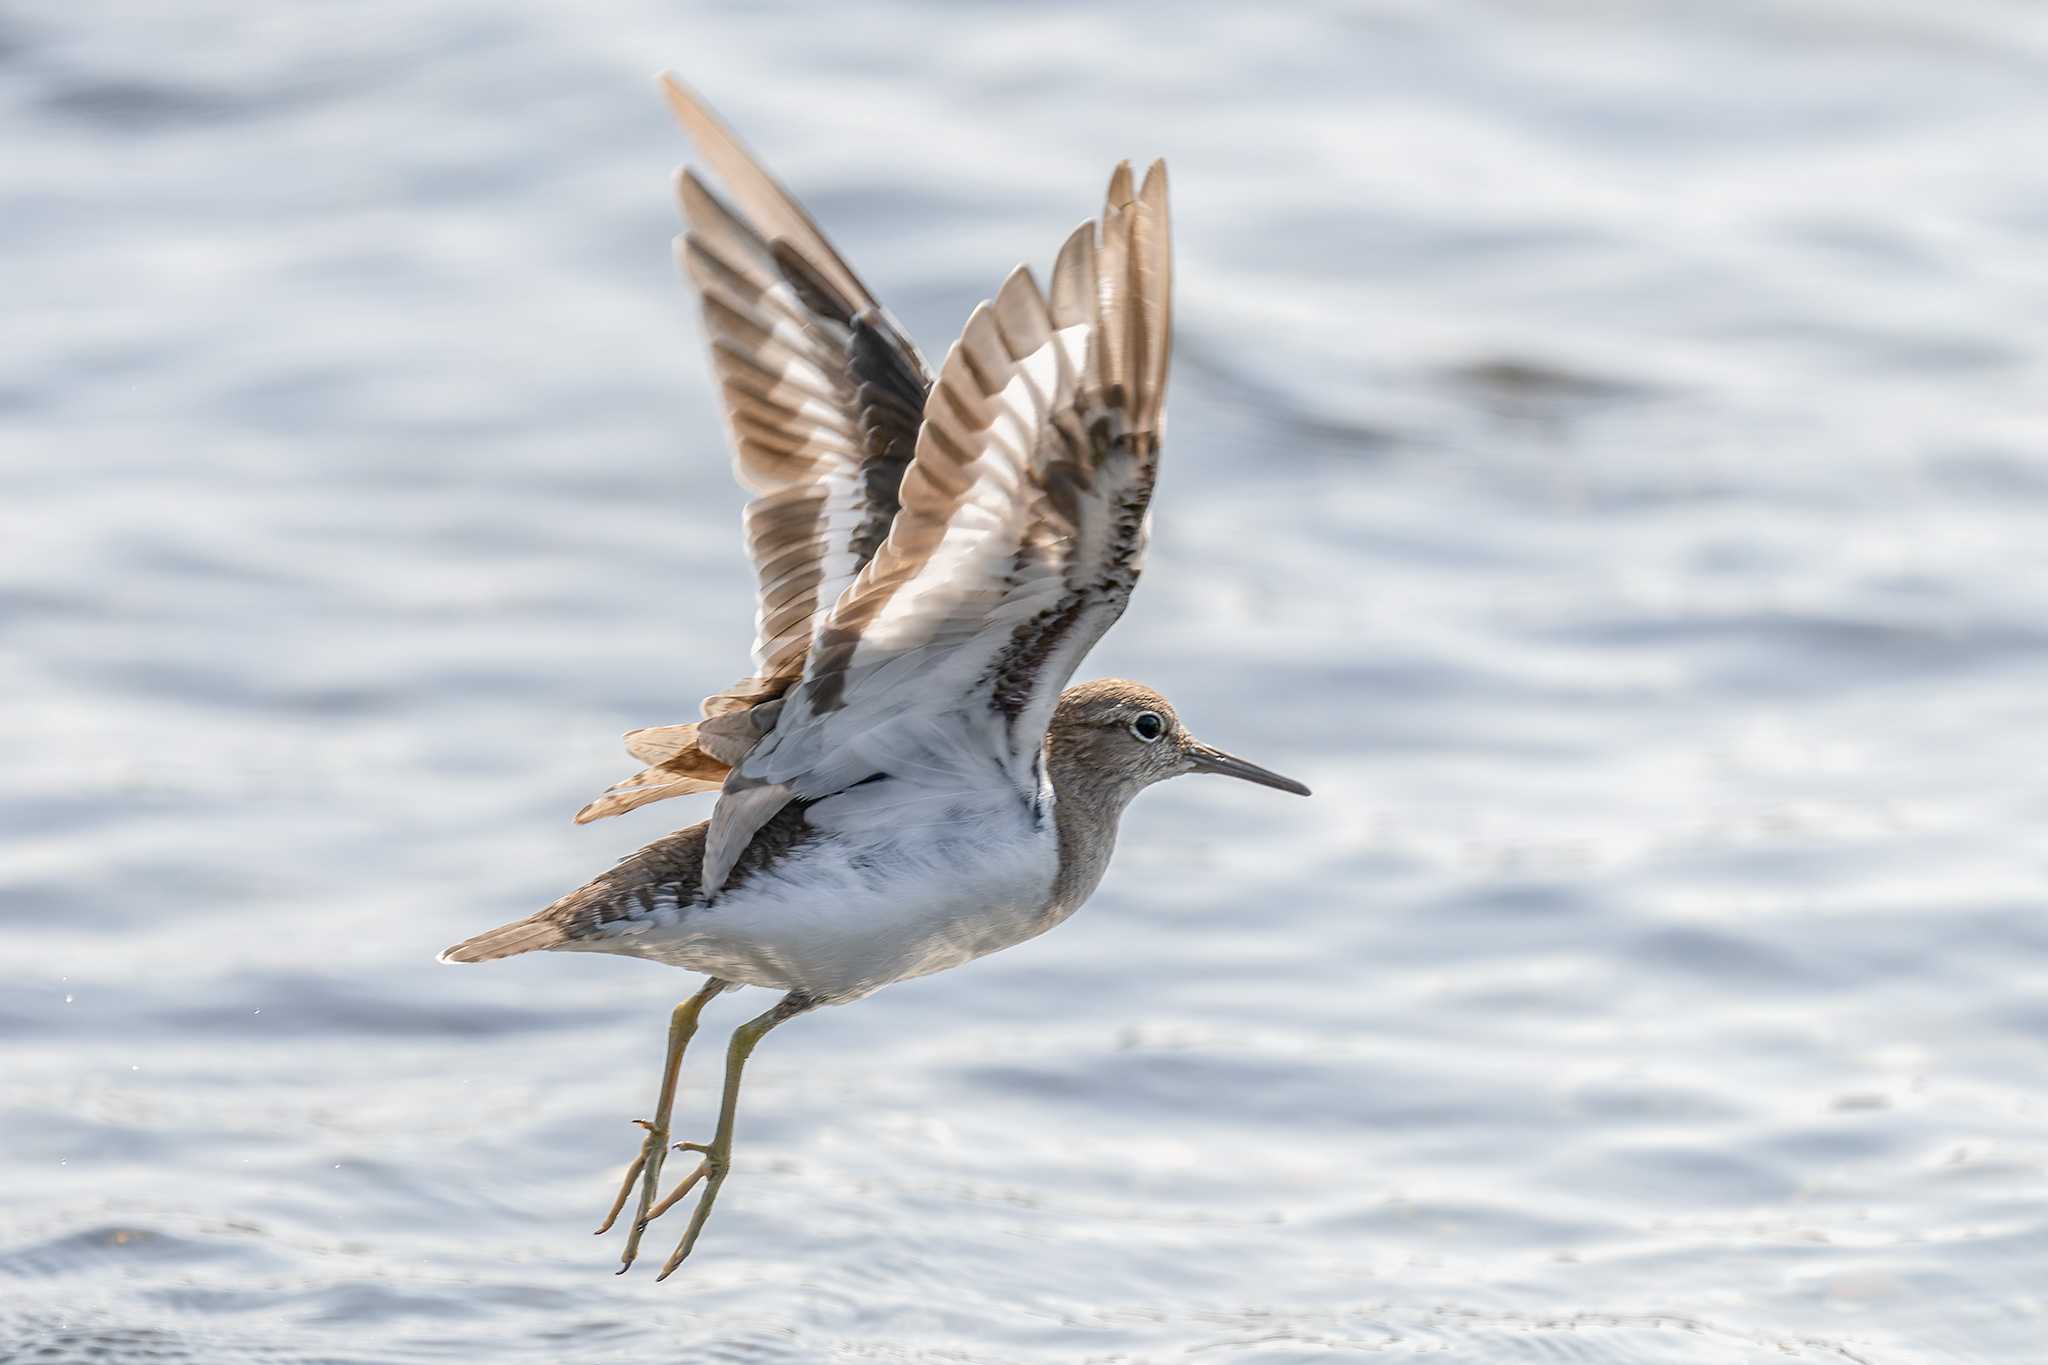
1021 534
934 559
822 395
906 782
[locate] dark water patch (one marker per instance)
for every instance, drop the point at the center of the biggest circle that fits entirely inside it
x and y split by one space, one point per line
1444 1223
2026 1019
744 1346
1455 702
43 811
1400 1327
21 400
1716 955
234 681
1645 1101
494 686
1162 1082
1663 1175
53 1338
388 1305
294 398
118 1248
1792 652
203 568
1287 415
135 890
1864 243
1504 901
300 1005
1455 914
1859 1133
1865 350
139 106
226 684
21 604
15 42
134 105
1523 383
1995 475
1923 354
456 178
1338 1093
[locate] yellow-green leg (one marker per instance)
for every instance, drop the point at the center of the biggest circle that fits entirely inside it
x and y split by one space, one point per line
717 1155
646 1168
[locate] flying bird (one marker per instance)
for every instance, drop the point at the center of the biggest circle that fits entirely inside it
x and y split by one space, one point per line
905 780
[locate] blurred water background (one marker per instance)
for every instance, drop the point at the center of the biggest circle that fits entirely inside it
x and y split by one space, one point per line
1607 460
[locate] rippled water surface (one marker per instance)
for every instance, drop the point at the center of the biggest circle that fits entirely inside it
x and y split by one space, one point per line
1607 462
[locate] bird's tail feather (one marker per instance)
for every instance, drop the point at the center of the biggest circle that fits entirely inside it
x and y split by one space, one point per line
508 940
682 759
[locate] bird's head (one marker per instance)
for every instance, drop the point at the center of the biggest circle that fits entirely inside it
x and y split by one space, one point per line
1116 738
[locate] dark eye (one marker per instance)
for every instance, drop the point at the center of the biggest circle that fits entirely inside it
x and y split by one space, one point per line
1148 725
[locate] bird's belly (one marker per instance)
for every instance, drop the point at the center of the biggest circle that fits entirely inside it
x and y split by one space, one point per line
850 915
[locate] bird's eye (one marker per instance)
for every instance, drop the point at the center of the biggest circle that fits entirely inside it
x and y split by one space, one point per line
1148 725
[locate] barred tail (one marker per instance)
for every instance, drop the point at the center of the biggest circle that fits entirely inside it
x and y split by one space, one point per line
658 879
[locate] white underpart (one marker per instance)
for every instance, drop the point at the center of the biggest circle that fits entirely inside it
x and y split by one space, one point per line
900 881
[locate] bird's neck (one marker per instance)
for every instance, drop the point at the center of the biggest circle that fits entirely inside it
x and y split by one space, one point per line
1086 805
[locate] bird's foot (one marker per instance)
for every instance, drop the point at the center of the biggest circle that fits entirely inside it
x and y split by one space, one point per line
711 1171
715 1156
653 1148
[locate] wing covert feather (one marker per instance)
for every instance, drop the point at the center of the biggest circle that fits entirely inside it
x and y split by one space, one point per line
822 393
1019 538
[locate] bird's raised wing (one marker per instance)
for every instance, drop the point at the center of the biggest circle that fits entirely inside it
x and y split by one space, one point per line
1020 536
822 393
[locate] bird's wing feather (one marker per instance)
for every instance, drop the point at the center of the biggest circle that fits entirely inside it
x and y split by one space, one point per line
816 396
1020 536
822 393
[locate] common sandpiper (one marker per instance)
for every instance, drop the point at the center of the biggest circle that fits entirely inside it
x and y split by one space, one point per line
905 782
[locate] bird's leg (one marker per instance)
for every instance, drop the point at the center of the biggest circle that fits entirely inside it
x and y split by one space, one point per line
717 1154
646 1167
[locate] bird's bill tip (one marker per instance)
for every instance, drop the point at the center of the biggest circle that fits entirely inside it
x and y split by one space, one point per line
1212 760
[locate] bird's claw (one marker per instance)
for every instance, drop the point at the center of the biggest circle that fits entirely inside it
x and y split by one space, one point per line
709 1172
652 1143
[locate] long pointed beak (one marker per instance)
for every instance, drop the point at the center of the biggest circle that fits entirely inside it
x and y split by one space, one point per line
1208 760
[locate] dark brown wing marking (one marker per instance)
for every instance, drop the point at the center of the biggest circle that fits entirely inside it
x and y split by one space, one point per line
823 395
1019 539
